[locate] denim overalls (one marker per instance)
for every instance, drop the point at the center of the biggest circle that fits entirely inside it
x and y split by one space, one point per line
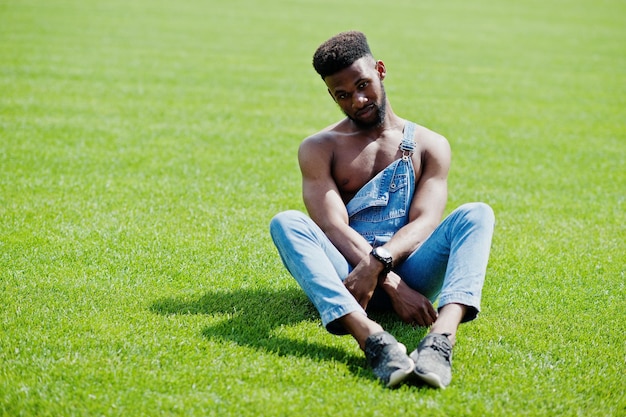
381 206
449 266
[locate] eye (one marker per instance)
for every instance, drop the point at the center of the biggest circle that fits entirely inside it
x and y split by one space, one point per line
342 96
363 85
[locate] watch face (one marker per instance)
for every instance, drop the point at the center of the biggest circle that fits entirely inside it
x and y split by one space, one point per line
382 252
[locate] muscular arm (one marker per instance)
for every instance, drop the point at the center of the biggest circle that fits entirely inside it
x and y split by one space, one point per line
425 213
323 201
327 209
429 200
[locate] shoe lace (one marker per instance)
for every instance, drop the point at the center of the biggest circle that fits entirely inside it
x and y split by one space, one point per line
374 350
442 345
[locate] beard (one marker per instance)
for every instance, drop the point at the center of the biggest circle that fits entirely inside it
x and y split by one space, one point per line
381 111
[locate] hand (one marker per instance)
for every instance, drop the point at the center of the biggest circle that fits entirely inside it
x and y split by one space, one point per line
411 306
363 279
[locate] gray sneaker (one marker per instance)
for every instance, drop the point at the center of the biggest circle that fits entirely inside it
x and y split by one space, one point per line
433 360
388 358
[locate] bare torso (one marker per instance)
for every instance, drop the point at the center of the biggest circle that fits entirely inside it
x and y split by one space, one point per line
356 157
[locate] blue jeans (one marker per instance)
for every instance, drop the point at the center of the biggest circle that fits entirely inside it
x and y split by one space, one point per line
449 266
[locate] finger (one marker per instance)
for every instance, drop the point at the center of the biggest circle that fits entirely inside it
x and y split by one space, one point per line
427 315
433 313
422 320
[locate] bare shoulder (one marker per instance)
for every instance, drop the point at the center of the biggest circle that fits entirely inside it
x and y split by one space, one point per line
432 143
322 142
316 152
434 153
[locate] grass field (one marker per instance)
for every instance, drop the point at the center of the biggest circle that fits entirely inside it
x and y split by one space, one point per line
144 146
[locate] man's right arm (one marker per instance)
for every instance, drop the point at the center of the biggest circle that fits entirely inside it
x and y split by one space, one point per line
326 208
323 201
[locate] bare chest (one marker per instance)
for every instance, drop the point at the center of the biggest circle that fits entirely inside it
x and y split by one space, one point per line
352 168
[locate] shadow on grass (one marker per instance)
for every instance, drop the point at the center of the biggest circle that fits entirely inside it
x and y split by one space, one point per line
254 315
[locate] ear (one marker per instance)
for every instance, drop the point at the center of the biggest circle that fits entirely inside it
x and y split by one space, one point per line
380 68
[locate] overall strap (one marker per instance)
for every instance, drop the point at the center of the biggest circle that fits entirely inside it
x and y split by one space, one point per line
408 144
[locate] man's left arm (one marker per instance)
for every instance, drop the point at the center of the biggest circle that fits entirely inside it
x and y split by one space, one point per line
425 213
429 200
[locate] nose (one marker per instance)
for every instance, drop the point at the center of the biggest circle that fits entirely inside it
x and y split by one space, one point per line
360 100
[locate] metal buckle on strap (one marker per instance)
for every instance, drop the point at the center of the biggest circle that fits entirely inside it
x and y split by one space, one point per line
407 148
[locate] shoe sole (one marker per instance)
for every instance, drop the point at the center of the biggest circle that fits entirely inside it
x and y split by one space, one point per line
400 375
431 379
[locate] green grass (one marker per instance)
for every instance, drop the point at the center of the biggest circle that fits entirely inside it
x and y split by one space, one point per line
144 146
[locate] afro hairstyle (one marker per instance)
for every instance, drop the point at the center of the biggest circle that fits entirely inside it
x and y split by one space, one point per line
339 52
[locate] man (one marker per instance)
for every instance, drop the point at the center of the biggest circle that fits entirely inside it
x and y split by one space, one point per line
375 188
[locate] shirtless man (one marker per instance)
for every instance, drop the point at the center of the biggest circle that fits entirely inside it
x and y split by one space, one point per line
375 188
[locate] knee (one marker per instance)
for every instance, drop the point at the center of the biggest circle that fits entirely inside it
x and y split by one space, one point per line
479 213
284 221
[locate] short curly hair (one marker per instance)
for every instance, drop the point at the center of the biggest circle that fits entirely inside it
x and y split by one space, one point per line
340 52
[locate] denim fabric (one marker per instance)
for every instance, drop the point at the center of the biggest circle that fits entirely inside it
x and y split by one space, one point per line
381 207
318 267
449 266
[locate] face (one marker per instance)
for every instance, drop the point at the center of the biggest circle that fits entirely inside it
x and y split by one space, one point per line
359 92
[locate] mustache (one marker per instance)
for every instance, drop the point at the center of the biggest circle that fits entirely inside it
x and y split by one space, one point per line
367 108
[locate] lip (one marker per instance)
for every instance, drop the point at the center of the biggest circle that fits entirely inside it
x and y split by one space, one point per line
366 111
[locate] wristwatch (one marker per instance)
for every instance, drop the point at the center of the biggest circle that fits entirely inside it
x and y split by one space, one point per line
383 256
